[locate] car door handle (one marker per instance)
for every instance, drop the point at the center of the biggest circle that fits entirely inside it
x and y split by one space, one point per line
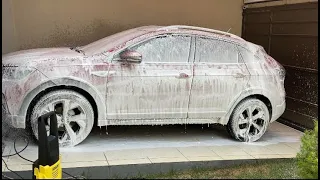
111 73
103 73
100 73
239 75
182 76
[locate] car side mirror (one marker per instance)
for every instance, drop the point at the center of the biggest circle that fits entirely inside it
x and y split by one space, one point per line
131 56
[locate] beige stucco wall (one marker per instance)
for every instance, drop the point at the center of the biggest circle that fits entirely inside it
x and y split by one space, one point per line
50 23
9 37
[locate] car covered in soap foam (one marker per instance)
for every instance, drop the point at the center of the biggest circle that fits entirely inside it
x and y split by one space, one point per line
149 75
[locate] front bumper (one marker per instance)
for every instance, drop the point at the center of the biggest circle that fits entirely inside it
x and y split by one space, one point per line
8 118
5 110
15 98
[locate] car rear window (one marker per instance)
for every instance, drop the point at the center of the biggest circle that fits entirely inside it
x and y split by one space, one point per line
215 51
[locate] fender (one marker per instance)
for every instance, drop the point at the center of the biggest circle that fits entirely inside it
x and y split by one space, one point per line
242 95
66 81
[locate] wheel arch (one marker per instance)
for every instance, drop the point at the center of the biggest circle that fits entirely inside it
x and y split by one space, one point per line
256 93
76 84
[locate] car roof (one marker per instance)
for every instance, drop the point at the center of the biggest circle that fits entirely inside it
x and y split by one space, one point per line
174 28
145 31
201 31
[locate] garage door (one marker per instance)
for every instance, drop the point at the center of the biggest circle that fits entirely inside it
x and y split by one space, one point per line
289 33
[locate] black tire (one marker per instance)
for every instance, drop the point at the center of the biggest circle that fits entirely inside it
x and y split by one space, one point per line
81 118
258 126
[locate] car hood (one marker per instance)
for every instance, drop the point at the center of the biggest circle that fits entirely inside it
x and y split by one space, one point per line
32 56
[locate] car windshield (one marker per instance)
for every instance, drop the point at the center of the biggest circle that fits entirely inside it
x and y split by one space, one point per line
110 41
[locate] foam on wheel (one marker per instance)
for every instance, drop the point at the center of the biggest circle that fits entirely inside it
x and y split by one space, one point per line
249 120
75 115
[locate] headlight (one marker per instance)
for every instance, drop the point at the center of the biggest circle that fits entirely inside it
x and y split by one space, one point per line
15 73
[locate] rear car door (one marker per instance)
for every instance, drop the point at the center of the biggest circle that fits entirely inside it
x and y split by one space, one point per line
220 75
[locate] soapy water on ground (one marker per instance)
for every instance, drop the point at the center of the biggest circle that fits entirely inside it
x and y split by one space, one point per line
144 137
137 137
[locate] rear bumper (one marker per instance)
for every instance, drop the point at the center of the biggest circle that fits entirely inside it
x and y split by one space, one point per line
278 111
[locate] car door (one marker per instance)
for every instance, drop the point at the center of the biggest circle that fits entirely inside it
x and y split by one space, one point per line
156 88
219 76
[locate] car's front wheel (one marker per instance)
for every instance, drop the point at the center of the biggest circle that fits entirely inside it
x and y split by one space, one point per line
75 115
249 120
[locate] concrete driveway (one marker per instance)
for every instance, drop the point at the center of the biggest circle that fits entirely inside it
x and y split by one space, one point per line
157 144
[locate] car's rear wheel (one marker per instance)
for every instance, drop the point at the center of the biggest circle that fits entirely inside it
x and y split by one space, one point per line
249 120
75 115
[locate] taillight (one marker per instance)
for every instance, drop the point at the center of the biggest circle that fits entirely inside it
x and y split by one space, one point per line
282 74
277 66
273 64
281 71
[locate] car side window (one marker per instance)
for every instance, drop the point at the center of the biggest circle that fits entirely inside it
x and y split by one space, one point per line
169 48
215 51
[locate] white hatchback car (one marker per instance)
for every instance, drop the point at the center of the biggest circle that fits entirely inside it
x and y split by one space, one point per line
149 75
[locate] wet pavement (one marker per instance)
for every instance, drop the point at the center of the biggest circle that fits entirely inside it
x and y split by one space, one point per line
157 144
